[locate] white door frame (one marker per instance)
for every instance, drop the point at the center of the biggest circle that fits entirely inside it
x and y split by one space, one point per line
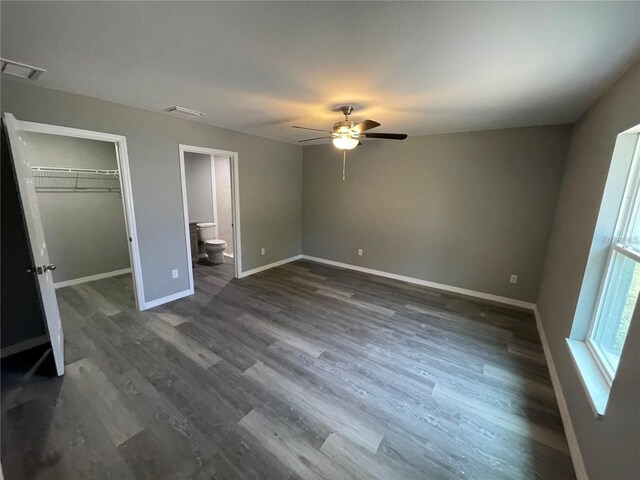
235 202
122 158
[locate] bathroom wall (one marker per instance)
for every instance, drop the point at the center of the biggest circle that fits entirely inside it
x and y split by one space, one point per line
465 210
85 232
197 172
224 199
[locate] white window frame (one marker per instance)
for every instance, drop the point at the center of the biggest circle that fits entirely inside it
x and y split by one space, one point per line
620 244
604 366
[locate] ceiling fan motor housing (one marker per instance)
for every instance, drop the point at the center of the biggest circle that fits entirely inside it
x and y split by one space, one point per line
346 110
343 127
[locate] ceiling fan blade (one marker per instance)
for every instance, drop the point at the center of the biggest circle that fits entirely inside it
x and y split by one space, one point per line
387 136
310 139
365 125
314 129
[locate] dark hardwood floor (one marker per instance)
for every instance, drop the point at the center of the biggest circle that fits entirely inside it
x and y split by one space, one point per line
300 372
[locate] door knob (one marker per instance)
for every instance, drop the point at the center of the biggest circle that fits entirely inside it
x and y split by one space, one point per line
40 270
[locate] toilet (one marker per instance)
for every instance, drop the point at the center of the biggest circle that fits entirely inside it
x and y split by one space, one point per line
215 248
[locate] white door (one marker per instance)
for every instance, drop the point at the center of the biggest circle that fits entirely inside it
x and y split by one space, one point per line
41 267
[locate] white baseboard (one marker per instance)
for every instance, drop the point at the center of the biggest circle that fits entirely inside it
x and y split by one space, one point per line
417 281
167 299
267 267
230 255
572 440
91 278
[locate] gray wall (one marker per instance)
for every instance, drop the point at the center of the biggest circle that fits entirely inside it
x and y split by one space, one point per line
465 209
197 172
223 198
611 446
85 231
269 171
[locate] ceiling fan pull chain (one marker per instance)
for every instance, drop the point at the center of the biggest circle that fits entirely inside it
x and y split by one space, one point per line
344 162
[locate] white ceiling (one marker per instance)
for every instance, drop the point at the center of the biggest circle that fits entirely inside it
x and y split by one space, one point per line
261 67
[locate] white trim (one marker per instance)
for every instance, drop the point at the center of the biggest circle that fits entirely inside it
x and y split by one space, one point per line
629 203
91 278
235 202
69 132
604 283
417 281
214 193
122 157
626 214
599 358
593 379
230 255
167 299
271 265
635 129
235 213
185 214
572 440
627 252
130 217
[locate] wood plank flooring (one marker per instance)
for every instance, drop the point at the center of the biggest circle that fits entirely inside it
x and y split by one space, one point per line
300 372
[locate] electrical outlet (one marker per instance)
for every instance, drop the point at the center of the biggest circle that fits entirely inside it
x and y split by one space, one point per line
360 251
513 279
174 273
263 251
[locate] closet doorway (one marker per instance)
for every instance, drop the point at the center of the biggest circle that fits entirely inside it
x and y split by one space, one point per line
75 192
210 199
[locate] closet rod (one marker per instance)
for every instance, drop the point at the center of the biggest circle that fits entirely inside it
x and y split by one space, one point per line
89 171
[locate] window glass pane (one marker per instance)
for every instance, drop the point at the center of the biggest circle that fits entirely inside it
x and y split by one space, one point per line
632 237
618 303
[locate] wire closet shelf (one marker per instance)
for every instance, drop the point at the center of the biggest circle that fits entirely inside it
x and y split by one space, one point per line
70 180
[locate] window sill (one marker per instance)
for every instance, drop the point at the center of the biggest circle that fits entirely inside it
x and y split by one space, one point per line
590 376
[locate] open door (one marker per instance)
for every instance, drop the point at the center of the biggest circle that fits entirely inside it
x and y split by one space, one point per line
40 257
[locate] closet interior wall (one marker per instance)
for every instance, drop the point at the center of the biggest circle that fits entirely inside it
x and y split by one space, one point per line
81 208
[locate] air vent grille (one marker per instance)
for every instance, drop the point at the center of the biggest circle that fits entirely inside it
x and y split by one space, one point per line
21 70
185 112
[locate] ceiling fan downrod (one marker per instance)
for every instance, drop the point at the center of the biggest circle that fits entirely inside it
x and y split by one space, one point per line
346 111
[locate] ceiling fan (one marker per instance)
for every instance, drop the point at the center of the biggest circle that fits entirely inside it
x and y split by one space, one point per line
346 135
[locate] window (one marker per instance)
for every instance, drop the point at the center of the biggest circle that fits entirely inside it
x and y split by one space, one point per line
621 282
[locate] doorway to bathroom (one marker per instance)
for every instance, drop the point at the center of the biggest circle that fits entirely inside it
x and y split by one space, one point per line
210 200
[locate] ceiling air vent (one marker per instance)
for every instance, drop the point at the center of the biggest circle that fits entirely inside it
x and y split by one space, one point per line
21 70
184 112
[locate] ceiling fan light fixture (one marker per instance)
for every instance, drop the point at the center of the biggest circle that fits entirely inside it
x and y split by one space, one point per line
345 142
